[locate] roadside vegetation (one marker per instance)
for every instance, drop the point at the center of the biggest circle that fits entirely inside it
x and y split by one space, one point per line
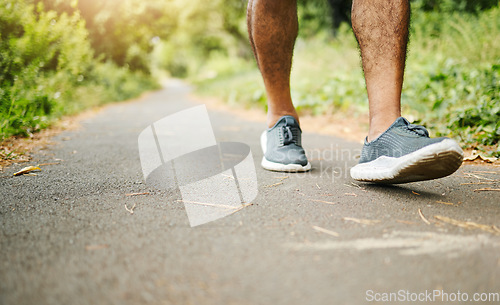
58 57
48 68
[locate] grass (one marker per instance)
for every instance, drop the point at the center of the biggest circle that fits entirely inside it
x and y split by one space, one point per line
30 109
452 80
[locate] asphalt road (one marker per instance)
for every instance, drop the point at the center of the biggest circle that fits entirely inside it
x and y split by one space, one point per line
315 238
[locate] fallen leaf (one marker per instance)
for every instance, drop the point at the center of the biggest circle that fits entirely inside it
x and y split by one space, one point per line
27 170
471 157
484 158
415 193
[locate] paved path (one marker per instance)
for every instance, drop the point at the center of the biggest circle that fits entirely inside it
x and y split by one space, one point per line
66 237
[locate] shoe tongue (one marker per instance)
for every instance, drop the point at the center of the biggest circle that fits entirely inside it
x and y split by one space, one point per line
289 121
401 122
417 129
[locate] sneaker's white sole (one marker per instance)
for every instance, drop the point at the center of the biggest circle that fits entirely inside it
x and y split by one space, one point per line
279 167
431 162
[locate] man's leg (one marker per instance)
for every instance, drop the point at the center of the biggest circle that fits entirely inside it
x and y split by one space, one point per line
396 151
381 28
273 27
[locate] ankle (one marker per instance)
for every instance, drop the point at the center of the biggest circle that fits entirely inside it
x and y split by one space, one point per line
373 134
379 125
272 118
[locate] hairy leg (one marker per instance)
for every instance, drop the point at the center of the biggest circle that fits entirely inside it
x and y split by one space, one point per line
273 28
381 28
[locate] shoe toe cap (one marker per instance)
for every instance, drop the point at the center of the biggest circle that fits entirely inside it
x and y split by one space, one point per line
290 154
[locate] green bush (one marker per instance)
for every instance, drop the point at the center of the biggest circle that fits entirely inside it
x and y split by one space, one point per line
47 69
453 6
42 56
453 78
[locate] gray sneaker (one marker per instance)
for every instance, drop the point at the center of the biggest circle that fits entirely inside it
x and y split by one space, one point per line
282 148
405 153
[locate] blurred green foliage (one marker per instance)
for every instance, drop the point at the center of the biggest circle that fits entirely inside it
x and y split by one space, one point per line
60 56
204 30
453 76
39 59
48 68
453 6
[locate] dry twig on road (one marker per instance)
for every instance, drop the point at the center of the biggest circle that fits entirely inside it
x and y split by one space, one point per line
487 190
131 210
362 221
137 194
322 230
323 201
469 224
422 216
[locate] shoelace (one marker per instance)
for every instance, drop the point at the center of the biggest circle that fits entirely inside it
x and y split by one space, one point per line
418 129
290 134
287 135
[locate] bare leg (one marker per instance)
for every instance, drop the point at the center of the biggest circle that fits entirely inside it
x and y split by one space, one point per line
381 28
273 28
